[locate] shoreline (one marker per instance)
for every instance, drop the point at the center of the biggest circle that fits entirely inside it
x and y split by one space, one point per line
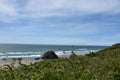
29 60
16 63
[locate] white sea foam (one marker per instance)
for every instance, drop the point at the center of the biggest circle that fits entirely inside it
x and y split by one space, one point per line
21 56
19 53
1 54
94 50
62 54
77 52
67 53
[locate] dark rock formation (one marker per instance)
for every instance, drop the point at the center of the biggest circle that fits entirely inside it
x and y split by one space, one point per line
50 55
38 58
19 59
4 59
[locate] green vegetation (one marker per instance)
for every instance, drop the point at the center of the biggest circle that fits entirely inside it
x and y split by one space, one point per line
103 65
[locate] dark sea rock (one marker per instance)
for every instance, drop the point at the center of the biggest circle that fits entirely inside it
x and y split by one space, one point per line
4 59
38 58
50 55
19 59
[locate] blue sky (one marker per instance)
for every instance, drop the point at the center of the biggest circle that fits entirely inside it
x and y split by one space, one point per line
68 22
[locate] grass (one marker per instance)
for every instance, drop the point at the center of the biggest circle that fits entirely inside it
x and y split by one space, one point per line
103 65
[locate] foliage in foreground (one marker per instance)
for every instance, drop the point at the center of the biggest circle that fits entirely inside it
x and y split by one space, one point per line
103 65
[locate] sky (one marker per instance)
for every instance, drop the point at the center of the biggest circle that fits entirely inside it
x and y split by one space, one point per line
64 22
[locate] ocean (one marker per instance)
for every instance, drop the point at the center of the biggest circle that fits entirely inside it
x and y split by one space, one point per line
30 52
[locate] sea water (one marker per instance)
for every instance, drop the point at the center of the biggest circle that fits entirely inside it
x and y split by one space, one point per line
30 52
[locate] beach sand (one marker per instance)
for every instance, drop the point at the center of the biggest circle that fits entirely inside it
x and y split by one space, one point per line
16 64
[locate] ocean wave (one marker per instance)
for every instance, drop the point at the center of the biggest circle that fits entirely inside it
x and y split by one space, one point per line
81 49
39 53
22 56
19 53
77 52
1 54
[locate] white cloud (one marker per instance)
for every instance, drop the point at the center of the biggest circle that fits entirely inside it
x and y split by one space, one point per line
6 8
93 6
7 11
11 9
42 8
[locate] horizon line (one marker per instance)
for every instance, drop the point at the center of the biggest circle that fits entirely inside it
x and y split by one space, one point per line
59 44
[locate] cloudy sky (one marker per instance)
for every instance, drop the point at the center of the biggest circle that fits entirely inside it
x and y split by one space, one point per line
76 22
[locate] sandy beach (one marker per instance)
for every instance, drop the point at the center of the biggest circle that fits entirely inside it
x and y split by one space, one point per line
16 64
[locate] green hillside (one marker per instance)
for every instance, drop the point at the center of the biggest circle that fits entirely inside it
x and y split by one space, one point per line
103 65
114 50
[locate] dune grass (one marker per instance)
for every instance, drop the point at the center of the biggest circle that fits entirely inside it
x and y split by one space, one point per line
103 65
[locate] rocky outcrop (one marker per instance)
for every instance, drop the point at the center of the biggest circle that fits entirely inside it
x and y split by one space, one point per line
50 55
38 58
19 59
